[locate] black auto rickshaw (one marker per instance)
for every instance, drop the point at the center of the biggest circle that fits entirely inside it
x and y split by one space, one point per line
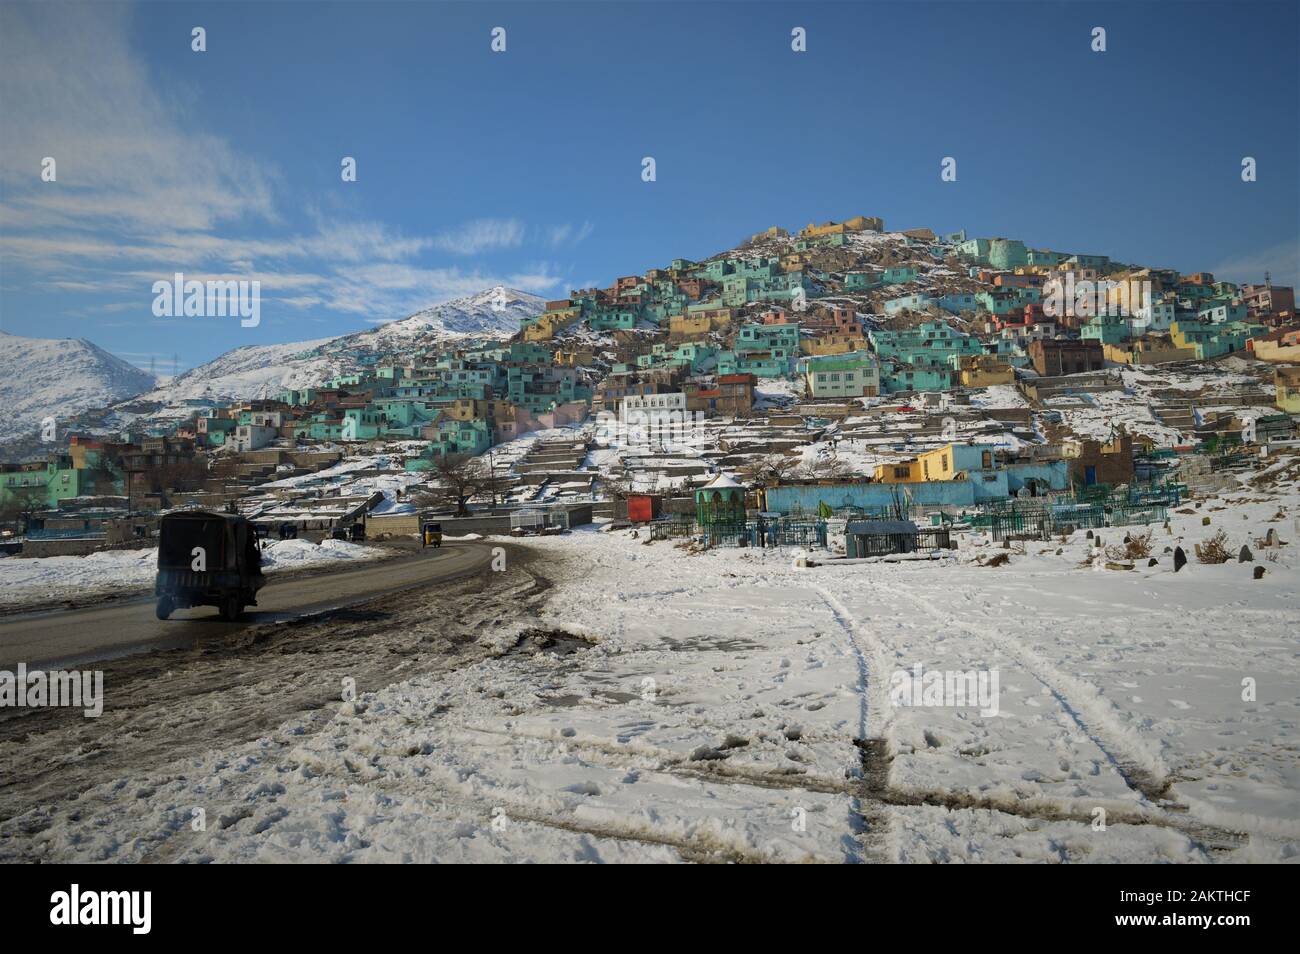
431 535
339 533
207 559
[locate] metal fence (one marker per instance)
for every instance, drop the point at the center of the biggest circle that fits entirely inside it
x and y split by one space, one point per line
761 532
65 533
787 533
1126 515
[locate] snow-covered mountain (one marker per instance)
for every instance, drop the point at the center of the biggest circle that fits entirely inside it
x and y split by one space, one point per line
259 371
253 371
61 377
491 313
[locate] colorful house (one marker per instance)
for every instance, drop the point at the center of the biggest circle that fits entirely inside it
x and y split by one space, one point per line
1287 381
898 275
850 375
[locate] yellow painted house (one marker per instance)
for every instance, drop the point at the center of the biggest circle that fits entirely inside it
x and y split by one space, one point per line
832 344
1287 381
1277 346
1150 349
942 463
984 370
689 325
770 235
858 223
545 327
700 323
574 359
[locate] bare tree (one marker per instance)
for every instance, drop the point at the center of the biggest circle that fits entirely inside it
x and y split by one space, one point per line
618 483
459 480
176 475
21 503
769 469
826 467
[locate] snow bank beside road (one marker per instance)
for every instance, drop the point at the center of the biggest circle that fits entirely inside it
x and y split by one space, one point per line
43 580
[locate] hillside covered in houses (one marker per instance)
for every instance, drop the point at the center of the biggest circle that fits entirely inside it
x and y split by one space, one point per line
967 371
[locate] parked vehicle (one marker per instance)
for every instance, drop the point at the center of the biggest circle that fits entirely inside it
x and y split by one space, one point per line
357 532
339 533
207 559
431 535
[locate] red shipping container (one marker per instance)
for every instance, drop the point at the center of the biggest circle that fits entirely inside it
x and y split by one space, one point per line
642 508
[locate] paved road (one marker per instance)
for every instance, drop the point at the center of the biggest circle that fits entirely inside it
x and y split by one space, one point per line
74 637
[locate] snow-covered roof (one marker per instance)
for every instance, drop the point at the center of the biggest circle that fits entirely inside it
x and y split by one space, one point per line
722 481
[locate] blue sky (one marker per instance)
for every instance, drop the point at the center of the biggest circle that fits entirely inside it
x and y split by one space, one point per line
524 167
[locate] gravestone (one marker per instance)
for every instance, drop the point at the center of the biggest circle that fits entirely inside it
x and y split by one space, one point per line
1180 559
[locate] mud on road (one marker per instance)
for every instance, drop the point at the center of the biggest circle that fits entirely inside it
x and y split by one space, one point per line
162 707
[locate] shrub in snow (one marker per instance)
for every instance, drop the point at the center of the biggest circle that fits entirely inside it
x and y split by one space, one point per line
1214 550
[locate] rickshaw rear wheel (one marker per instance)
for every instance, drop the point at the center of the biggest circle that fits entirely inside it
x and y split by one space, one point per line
164 607
231 607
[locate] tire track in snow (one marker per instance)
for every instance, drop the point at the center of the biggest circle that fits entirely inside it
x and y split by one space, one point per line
874 703
877 753
1142 770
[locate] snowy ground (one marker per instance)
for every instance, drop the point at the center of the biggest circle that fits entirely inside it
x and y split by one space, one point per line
1097 415
49 579
730 706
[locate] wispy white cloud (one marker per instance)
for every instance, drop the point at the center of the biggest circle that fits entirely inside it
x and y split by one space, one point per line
481 235
125 158
1281 261
143 191
558 236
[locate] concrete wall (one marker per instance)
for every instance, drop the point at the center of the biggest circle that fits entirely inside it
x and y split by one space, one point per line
67 547
482 523
401 524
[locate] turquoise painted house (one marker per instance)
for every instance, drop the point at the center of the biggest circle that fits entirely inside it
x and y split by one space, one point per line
1108 329
453 438
898 275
